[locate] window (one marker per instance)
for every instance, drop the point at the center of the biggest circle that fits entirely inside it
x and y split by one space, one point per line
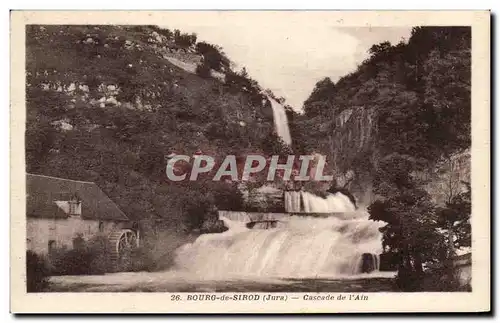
101 226
74 206
78 242
52 245
135 226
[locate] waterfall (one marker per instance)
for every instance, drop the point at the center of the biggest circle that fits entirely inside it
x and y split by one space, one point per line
300 247
281 121
285 245
293 201
300 201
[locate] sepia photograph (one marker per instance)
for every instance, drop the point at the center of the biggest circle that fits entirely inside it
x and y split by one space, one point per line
215 157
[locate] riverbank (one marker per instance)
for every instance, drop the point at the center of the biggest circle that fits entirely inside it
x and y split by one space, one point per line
165 282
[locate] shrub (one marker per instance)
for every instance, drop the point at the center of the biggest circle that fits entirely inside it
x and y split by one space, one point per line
79 241
70 262
89 258
184 39
228 197
389 261
213 226
99 249
157 252
36 273
213 56
409 281
203 70
436 279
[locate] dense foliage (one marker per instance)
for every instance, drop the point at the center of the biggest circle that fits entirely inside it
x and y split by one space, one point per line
104 105
403 111
419 91
37 273
213 57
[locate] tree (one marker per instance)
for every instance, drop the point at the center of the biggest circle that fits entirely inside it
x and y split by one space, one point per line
448 99
37 273
419 93
213 56
452 193
40 138
319 102
454 218
244 72
184 39
411 230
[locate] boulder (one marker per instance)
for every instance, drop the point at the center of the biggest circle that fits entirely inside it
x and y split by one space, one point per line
368 263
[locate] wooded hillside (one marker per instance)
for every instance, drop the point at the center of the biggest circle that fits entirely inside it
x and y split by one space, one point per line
105 105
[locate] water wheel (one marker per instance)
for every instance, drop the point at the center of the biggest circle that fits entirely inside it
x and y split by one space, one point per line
123 242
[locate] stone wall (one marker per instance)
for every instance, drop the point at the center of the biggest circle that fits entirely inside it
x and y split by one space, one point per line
62 232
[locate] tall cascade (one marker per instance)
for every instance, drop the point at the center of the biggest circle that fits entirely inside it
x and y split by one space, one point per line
299 247
281 121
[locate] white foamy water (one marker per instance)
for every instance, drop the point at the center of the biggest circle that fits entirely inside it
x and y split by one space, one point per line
301 201
302 247
299 247
293 201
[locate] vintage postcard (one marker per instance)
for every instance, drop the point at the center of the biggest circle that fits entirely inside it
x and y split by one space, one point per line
250 162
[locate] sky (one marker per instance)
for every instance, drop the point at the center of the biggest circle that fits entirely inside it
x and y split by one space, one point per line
289 55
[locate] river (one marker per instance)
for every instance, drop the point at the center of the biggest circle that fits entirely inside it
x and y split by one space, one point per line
300 254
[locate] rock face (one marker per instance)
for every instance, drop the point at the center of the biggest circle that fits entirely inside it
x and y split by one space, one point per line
353 146
354 149
354 133
369 263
